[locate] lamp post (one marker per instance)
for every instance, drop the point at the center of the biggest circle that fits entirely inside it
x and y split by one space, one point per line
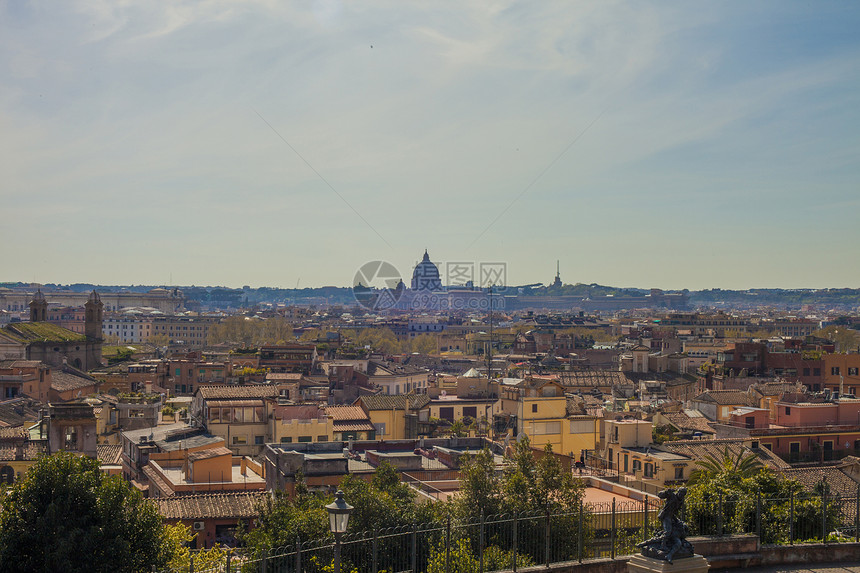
338 514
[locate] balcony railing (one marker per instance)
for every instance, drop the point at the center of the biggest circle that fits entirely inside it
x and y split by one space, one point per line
589 531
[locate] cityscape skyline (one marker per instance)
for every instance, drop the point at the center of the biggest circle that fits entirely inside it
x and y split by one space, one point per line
662 145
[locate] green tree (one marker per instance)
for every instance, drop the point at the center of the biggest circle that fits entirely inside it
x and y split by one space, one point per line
846 339
479 487
179 536
733 468
283 520
66 515
424 344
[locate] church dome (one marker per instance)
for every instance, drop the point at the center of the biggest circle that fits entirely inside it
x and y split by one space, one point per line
426 275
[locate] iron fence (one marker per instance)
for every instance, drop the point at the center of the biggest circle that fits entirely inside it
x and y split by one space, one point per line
589 531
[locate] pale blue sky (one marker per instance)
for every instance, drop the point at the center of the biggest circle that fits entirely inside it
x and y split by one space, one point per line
723 147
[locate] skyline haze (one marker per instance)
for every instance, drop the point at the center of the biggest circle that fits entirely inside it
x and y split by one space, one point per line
657 144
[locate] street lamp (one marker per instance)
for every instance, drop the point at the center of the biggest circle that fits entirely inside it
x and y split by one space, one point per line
338 514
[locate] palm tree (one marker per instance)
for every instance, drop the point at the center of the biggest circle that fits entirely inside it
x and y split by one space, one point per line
744 465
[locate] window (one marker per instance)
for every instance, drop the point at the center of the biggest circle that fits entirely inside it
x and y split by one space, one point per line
793 451
768 446
534 408
834 370
852 371
304 439
240 440
788 411
286 440
816 371
543 428
471 411
447 413
70 441
322 438
259 440
380 429
649 470
754 445
679 473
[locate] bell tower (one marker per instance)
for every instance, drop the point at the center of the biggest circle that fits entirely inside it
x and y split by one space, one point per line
93 311
39 308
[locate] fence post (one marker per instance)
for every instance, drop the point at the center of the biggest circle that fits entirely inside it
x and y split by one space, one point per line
375 549
612 532
514 553
481 545
546 539
824 513
298 554
191 564
720 515
582 525
448 546
229 555
857 515
414 547
645 518
791 519
265 564
758 514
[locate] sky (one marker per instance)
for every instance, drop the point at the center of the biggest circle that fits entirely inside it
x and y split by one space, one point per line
268 143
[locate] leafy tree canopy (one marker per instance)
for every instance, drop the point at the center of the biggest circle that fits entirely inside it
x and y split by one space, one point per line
66 515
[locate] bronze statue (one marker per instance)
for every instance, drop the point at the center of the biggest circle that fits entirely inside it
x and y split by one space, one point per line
672 541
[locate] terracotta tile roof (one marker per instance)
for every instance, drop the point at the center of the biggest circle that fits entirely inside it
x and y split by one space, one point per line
209 453
20 410
775 388
109 455
156 481
231 391
840 483
339 413
232 505
700 449
695 424
391 402
593 378
726 398
65 381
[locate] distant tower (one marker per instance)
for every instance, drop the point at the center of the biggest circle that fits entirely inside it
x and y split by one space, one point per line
39 308
557 281
93 316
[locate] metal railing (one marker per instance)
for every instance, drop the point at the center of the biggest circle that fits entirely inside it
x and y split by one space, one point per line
589 531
